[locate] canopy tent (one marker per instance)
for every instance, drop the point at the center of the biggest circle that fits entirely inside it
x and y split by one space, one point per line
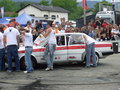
23 18
5 20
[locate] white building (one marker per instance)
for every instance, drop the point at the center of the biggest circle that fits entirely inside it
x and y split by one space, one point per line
44 12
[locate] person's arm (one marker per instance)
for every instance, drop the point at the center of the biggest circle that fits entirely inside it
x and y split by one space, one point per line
18 40
85 37
4 40
47 32
0 38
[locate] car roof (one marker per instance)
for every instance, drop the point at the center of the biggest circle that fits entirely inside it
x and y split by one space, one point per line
68 34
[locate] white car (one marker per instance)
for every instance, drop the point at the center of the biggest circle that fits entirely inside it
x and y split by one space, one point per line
70 47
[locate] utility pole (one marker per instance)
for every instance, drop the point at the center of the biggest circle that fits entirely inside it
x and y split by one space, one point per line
84 17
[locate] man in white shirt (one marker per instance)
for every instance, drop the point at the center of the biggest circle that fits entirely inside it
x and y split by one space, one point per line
2 52
33 24
90 51
28 26
11 41
28 43
50 47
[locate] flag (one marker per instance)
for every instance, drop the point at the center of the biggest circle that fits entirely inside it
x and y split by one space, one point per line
2 12
84 4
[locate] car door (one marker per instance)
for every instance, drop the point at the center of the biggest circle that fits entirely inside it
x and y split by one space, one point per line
61 48
76 47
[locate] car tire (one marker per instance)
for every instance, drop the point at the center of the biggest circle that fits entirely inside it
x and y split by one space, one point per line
97 59
23 65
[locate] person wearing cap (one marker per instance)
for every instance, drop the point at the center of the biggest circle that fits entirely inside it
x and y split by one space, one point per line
2 51
28 43
11 42
50 47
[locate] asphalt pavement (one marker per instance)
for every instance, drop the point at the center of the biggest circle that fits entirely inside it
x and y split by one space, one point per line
67 76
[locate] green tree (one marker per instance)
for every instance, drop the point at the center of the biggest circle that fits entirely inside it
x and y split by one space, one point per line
44 2
71 6
66 4
96 6
23 4
8 5
77 13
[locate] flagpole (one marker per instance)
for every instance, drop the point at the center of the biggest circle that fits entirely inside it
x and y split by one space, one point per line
84 17
2 12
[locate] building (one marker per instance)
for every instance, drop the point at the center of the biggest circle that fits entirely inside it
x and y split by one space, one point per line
44 12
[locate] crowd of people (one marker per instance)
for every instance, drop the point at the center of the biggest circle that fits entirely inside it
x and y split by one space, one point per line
99 29
12 34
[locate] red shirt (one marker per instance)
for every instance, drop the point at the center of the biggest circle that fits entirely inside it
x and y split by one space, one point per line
105 24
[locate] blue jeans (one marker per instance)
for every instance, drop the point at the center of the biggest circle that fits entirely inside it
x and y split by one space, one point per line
49 54
12 52
2 62
90 51
28 61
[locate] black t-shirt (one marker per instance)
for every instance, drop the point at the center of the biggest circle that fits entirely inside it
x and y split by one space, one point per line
98 23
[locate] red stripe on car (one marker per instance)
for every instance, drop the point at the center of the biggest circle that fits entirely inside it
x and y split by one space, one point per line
69 47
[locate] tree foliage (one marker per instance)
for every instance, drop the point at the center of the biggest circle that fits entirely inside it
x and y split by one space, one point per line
96 6
9 5
71 6
75 11
44 2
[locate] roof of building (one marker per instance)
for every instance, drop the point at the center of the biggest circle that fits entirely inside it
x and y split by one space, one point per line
46 8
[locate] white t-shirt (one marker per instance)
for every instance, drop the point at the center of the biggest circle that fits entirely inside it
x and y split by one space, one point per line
1 41
61 31
30 29
90 40
115 31
33 24
11 34
52 37
28 39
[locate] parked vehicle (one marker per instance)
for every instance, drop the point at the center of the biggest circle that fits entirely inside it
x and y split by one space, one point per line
70 47
113 17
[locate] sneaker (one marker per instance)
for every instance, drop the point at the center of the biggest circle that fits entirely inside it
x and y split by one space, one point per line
27 72
87 66
9 71
47 69
51 68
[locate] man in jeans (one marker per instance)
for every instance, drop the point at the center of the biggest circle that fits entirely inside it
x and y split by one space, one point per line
11 40
50 47
28 42
2 52
90 51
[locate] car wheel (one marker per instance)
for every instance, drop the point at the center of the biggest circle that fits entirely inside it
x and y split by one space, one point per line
23 65
97 60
